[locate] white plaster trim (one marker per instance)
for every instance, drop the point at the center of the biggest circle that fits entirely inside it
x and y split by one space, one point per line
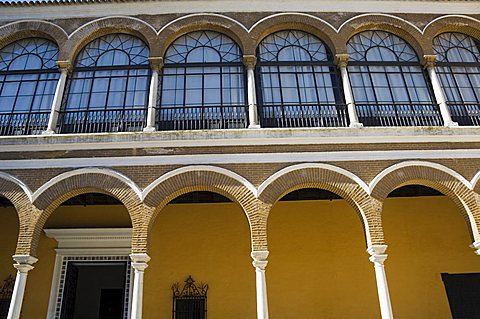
246 158
111 17
436 166
448 16
199 168
297 167
35 20
292 13
88 170
379 14
91 238
18 182
474 180
202 14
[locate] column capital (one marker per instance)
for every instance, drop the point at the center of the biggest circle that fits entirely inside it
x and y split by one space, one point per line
156 63
65 66
24 263
249 61
476 245
429 60
341 60
377 254
139 261
260 259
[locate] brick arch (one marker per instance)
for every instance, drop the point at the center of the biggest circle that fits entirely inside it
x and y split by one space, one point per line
389 23
103 26
70 184
32 28
205 178
297 21
436 176
195 22
333 179
453 23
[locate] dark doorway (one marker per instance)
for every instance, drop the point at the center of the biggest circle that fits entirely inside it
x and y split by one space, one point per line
463 292
94 290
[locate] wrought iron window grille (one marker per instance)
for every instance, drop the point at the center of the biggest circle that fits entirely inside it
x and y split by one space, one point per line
6 295
189 302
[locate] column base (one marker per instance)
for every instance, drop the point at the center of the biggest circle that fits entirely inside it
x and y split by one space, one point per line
254 126
149 129
356 125
48 132
451 124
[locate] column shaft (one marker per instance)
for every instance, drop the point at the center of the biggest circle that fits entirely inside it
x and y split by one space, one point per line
250 61
23 266
139 264
342 60
429 61
378 258
57 99
260 263
156 64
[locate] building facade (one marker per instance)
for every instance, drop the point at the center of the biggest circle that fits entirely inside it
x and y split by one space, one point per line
151 151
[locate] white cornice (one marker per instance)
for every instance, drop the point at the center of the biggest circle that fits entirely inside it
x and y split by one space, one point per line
246 137
91 238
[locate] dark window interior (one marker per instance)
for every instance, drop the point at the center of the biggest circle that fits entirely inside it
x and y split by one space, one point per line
463 291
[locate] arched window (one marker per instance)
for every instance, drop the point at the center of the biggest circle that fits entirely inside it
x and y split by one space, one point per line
388 82
108 90
458 67
28 78
299 85
203 84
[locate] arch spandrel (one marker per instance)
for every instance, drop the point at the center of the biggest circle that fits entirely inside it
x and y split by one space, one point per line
399 27
207 22
100 27
333 179
30 29
300 22
435 176
453 23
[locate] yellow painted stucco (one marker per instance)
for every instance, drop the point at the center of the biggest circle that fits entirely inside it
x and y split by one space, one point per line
8 241
318 267
426 237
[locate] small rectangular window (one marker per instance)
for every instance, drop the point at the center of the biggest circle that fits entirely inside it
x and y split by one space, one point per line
190 302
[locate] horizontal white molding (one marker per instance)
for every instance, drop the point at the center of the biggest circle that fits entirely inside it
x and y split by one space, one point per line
91 238
199 6
247 137
212 159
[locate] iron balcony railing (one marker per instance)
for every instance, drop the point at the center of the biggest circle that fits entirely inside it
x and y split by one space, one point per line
465 113
303 115
25 123
399 114
202 117
99 121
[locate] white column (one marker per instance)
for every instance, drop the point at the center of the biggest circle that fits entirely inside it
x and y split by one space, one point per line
139 264
156 64
260 263
23 265
429 62
250 61
342 61
378 257
65 68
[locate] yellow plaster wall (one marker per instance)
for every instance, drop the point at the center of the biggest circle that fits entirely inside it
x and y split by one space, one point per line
425 236
8 241
211 242
318 266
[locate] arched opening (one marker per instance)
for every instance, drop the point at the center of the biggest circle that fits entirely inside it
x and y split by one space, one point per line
206 236
318 267
8 237
427 237
83 269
